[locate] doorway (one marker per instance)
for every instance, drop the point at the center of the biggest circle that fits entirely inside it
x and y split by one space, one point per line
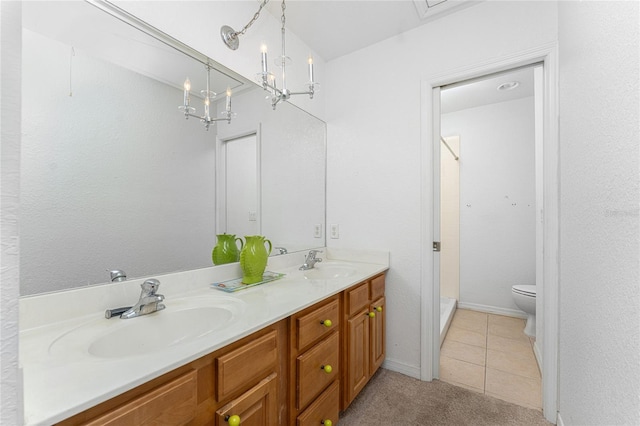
547 297
488 234
239 186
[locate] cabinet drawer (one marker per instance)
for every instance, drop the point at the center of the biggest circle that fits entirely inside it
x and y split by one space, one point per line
246 365
312 378
311 327
325 407
377 287
357 298
171 403
258 406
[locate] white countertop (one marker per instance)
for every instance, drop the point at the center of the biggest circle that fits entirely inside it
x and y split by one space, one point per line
61 377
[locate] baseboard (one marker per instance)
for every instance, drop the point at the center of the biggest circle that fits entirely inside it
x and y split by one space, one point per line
536 352
492 310
559 421
399 367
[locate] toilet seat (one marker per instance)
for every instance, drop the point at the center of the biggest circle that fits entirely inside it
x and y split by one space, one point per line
525 290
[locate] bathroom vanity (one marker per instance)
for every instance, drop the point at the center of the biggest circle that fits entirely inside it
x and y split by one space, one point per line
292 351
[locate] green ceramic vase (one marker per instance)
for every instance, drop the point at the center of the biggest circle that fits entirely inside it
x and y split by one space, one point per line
253 258
226 250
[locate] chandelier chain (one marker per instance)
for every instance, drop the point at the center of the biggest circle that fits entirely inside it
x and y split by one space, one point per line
254 19
283 19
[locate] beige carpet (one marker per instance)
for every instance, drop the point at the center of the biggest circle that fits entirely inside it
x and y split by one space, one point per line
394 399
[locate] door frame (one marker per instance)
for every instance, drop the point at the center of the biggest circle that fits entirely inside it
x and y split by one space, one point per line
430 132
221 176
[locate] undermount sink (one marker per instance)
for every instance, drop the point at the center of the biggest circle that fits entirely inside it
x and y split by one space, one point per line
117 338
330 271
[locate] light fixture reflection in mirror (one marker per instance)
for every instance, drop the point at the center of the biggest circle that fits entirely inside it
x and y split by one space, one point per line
208 96
113 178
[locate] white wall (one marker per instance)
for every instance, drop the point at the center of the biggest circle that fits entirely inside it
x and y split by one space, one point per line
197 23
497 201
74 172
599 213
374 133
10 88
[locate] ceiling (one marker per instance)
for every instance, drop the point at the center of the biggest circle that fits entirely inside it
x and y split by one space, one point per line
92 32
484 91
333 28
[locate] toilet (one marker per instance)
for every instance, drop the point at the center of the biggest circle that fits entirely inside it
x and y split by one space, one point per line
524 297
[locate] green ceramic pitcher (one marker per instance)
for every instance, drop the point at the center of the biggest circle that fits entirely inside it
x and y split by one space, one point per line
226 251
253 258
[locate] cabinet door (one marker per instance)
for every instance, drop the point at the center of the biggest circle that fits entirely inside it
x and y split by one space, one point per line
357 354
173 403
377 335
256 407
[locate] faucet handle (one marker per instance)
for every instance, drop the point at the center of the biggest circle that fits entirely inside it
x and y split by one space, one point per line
150 286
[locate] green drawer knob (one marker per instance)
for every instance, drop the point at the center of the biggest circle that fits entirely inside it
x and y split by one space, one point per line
233 420
379 309
327 323
372 314
327 422
327 368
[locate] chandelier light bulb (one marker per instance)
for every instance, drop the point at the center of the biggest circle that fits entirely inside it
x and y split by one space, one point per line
263 51
310 69
187 88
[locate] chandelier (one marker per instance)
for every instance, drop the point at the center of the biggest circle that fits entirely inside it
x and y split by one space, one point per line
268 80
208 97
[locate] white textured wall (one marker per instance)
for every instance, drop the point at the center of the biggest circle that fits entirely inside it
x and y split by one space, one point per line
599 213
374 128
197 23
497 201
74 172
10 382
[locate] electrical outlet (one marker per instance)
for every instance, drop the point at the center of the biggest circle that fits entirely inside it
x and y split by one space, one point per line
317 230
252 216
335 231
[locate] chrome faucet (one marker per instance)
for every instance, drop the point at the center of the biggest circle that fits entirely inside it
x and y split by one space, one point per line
149 300
117 275
311 260
281 250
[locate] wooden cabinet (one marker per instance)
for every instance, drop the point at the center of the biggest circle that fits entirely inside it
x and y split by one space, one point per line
364 342
299 371
315 363
171 403
246 378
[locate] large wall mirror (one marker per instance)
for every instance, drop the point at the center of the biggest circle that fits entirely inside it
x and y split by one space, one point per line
114 177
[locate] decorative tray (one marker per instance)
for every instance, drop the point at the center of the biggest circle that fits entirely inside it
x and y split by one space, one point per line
236 284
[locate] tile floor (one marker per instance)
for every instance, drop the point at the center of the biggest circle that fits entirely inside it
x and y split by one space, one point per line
491 354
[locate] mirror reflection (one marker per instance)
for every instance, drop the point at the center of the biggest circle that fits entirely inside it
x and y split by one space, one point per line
114 177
